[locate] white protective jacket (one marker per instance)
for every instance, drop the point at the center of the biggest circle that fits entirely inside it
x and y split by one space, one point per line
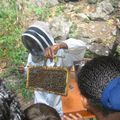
76 51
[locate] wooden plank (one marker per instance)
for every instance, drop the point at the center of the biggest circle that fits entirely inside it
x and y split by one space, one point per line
72 103
85 114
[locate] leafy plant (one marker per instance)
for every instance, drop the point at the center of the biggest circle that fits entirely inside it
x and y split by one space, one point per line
42 12
26 93
11 47
90 54
10 43
60 9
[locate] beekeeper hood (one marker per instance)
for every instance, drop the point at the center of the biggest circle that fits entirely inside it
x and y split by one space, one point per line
37 38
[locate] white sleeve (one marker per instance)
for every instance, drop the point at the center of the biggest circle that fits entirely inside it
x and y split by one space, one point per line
74 43
29 61
75 52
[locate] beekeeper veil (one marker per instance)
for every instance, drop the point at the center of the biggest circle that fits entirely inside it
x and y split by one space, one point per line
37 38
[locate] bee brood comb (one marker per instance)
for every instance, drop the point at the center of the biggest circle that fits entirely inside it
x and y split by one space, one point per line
50 79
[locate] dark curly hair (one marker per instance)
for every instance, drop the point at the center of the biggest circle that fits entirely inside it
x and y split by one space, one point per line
41 111
95 75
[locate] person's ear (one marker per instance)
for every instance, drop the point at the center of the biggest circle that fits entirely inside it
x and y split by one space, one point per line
84 101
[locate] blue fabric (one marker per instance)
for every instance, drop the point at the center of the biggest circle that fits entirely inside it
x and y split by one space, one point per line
111 95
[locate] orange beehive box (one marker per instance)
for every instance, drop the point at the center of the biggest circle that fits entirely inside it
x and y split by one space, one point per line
72 102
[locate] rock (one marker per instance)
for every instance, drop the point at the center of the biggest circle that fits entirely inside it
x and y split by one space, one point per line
60 28
71 0
87 40
119 4
114 2
114 32
103 9
84 17
43 3
52 2
92 1
99 49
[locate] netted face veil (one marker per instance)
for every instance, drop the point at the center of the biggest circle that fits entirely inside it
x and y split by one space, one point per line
37 38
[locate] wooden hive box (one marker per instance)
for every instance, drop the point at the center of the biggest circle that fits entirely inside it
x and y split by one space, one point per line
72 103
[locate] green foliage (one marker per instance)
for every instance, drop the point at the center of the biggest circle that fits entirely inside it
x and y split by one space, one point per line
26 93
73 31
45 12
17 82
118 52
92 1
118 49
114 2
11 47
20 87
60 9
42 12
90 54
10 40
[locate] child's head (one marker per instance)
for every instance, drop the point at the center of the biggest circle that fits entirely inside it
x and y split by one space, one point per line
36 38
9 107
99 82
41 111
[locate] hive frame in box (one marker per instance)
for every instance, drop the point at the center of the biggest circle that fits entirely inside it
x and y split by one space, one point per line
44 76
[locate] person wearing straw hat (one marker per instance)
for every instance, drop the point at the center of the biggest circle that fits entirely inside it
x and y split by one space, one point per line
38 39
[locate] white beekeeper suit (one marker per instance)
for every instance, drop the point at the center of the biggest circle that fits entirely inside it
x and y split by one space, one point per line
36 39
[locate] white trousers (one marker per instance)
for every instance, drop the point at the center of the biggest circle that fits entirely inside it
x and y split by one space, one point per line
49 99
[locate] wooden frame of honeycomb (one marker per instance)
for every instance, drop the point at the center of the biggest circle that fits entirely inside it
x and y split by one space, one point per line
50 79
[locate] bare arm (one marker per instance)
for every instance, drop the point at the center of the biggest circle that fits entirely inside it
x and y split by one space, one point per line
52 50
70 44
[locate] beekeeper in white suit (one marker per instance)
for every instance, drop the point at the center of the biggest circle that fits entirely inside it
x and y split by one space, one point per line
40 43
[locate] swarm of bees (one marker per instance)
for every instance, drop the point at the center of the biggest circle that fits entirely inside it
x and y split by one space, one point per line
50 79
